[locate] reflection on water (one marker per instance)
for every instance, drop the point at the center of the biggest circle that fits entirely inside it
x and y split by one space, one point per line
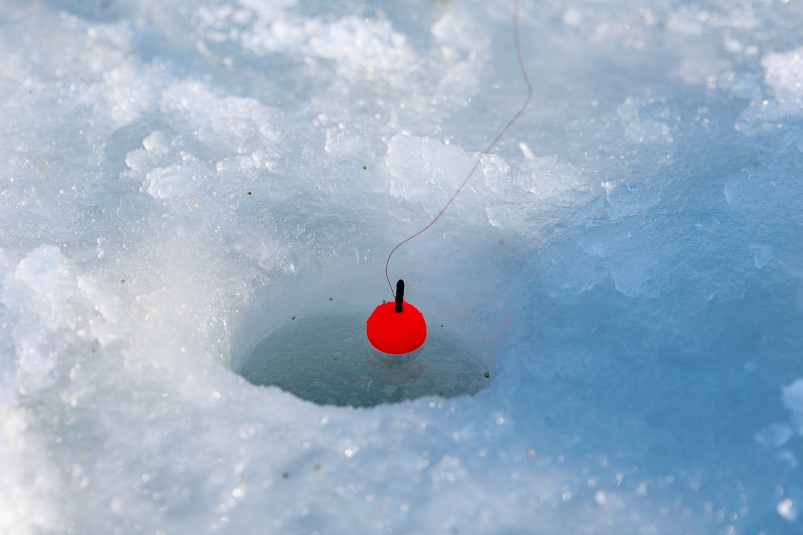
327 359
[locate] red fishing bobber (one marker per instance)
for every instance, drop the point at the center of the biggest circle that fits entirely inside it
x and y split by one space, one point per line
396 329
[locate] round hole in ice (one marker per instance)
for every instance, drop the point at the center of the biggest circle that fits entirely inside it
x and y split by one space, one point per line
326 358
330 306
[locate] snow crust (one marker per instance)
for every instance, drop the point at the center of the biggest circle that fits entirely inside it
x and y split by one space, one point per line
178 178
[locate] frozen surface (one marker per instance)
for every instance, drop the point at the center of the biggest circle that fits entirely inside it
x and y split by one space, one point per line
177 178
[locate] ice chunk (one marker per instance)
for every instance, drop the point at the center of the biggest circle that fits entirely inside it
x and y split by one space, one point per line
358 43
463 44
525 150
641 130
448 470
421 166
267 8
241 125
354 43
179 180
774 435
456 28
783 77
793 398
762 254
38 291
783 73
787 509
27 507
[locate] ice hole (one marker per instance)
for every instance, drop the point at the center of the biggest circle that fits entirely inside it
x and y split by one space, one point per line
324 356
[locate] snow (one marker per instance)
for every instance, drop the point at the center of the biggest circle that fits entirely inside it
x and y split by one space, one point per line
178 179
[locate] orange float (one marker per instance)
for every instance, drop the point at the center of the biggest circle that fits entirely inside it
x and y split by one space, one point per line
396 328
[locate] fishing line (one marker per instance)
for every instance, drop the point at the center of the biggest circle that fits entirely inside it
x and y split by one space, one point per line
490 147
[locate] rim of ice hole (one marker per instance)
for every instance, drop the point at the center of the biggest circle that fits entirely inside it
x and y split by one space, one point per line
308 338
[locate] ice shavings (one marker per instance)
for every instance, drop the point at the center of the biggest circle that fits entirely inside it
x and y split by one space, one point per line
462 52
783 77
240 125
419 166
351 42
266 8
774 435
787 510
793 400
783 73
42 292
29 478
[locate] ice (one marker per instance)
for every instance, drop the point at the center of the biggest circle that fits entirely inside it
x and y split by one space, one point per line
420 167
787 509
177 179
774 435
783 74
793 399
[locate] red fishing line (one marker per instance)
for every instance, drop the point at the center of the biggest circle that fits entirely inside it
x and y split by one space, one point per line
490 147
390 329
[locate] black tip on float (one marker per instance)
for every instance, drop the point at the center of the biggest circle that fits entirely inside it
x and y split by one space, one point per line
397 328
399 295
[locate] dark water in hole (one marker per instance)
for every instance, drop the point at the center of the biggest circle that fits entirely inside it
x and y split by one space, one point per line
328 360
